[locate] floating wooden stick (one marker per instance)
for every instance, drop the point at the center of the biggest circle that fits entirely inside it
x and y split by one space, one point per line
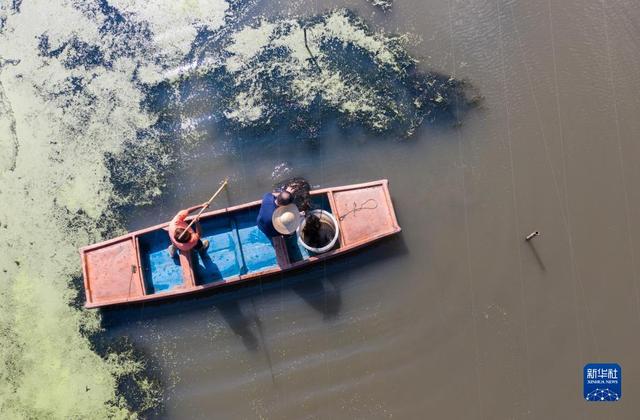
532 235
306 44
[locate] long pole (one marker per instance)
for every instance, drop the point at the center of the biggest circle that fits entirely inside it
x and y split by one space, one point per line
195 219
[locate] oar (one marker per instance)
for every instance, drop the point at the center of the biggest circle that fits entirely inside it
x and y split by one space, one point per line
195 219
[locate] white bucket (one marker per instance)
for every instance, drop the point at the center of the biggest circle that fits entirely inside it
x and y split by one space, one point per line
325 217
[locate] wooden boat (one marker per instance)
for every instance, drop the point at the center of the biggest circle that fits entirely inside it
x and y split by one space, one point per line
136 267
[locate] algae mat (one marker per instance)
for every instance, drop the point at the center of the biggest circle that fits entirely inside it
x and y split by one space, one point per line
95 102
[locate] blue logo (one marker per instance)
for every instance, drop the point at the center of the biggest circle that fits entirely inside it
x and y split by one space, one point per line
602 382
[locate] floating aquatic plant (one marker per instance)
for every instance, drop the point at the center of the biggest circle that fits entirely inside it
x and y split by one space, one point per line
77 82
297 73
70 116
385 5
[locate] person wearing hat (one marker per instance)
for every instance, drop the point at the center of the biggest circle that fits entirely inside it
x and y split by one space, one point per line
278 215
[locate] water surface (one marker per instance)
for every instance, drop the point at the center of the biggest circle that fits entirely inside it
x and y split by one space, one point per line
456 317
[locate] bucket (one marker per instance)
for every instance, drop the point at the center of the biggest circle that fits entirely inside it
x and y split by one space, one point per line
330 222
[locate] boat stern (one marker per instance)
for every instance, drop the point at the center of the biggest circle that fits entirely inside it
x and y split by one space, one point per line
365 213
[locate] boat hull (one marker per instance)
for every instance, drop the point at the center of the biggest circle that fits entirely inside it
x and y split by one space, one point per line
136 267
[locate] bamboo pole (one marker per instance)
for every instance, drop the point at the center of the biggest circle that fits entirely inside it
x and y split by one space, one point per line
195 219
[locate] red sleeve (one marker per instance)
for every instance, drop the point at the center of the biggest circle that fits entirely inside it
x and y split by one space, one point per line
182 214
194 208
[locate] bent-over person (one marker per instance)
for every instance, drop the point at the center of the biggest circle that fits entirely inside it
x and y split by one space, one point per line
185 239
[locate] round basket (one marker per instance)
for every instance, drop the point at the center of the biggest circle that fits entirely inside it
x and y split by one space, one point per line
325 217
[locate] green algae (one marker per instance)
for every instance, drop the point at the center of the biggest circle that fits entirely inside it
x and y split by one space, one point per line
253 65
81 146
69 109
384 5
54 374
299 72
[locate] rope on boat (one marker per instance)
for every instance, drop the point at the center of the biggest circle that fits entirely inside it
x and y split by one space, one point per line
133 271
363 206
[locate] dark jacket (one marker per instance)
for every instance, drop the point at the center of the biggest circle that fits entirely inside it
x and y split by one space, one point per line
267 208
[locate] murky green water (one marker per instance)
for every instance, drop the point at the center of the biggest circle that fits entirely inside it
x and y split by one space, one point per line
106 106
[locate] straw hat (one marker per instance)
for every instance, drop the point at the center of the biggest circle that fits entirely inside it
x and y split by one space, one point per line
286 219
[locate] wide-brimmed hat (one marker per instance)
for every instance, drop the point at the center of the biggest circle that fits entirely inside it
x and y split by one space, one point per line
286 219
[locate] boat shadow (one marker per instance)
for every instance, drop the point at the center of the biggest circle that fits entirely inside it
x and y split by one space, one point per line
322 295
318 285
239 322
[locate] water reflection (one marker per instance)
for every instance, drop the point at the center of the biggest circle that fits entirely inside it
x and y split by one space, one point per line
239 322
245 321
321 294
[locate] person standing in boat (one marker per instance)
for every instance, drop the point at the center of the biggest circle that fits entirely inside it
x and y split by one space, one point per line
183 239
278 215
